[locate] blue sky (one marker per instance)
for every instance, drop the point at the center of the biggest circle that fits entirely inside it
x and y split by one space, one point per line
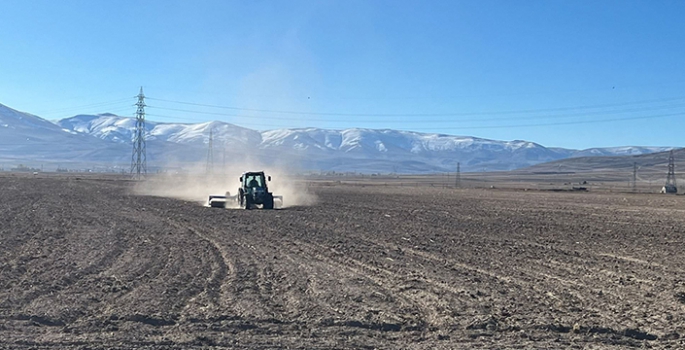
574 74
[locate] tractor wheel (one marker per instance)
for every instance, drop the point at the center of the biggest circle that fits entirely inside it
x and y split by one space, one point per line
269 201
248 202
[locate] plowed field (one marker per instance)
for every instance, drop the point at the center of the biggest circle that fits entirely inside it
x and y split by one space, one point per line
85 263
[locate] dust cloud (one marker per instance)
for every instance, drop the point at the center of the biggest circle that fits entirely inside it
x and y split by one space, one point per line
195 185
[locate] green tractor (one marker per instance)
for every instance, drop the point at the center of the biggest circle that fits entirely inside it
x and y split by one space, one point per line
252 193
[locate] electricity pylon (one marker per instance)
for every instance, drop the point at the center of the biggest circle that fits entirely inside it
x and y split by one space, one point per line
670 178
210 154
138 157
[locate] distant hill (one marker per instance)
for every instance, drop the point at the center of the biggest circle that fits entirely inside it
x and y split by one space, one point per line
657 161
106 139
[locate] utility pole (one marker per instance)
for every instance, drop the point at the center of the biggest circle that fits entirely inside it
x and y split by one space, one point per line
138 158
634 176
457 177
210 154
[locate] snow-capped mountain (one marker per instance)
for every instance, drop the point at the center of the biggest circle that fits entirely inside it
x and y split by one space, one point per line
618 151
26 137
120 129
105 139
354 149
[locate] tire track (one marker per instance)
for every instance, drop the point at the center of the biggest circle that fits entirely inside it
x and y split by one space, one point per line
221 258
408 289
310 265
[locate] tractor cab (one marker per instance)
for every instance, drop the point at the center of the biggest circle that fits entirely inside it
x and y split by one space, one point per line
254 181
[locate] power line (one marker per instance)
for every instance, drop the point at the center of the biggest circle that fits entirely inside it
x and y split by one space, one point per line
423 114
568 123
455 124
467 127
442 121
556 91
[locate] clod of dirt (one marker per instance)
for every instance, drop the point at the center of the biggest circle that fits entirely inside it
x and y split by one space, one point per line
489 324
680 296
671 336
576 327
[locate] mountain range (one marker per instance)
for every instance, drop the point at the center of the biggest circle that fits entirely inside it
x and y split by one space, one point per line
105 139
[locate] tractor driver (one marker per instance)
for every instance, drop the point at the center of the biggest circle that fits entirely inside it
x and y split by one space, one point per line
253 183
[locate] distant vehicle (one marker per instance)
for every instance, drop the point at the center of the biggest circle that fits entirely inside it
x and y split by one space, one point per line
252 193
669 189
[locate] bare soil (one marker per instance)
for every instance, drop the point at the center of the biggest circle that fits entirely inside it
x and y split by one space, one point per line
85 263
